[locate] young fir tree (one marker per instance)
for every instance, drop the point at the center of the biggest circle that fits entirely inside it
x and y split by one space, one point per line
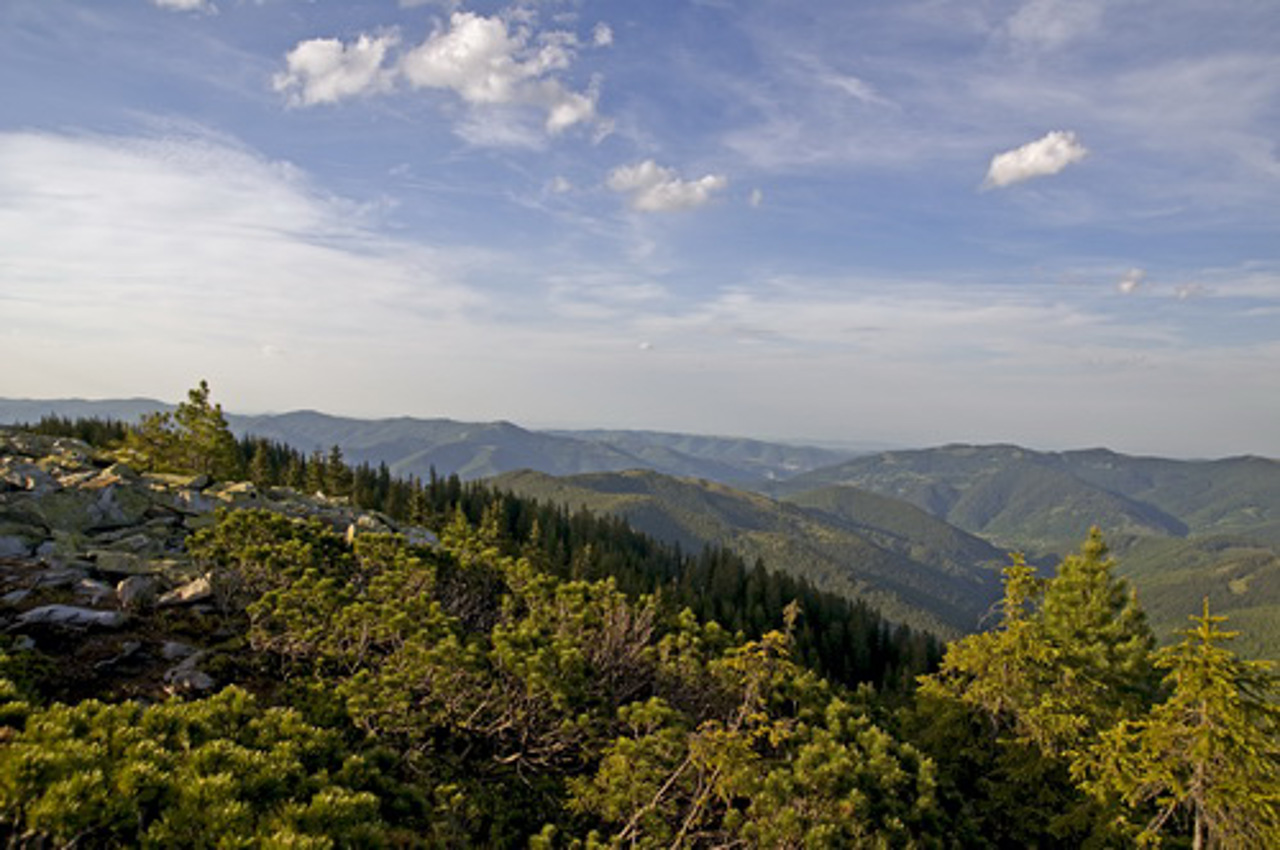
338 476
261 471
194 438
1211 752
206 442
1009 707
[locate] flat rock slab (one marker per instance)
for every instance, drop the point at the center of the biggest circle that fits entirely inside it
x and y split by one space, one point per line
71 617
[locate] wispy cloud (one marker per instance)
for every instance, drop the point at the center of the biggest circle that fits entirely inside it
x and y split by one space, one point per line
205 6
189 244
1044 157
1131 281
1053 23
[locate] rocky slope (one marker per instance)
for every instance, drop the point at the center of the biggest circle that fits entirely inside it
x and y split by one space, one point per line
93 568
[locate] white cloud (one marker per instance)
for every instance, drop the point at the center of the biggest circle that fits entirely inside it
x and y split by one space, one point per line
654 188
1041 158
756 198
186 5
324 70
496 69
1131 281
602 35
485 63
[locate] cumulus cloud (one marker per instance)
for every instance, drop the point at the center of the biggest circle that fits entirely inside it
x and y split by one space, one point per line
486 62
186 5
324 70
756 198
1131 281
1043 157
602 35
655 188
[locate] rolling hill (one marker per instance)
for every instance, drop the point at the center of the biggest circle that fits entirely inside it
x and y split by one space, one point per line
1046 502
907 564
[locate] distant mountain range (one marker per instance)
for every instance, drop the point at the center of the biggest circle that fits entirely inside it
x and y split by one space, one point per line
473 450
919 532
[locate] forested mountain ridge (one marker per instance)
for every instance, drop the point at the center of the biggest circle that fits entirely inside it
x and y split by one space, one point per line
661 451
910 566
1044 500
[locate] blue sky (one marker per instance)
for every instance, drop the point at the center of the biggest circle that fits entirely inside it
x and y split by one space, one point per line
1050 222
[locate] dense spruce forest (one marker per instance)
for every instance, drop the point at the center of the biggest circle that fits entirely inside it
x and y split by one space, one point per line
528 676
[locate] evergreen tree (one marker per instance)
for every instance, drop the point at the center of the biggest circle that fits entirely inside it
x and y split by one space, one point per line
338 476
261 472
1210 752
316 473
204 437
194 438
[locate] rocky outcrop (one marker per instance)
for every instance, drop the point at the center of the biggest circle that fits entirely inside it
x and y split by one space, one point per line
93 563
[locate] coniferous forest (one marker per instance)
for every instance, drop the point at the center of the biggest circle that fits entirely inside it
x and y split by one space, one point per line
527 676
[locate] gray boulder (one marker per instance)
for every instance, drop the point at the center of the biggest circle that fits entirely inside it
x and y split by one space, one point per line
71 617
136 593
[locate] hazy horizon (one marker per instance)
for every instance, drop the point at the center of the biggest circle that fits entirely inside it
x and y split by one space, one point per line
855 444
1043 222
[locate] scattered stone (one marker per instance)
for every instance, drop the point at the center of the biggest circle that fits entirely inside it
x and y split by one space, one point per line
186 677
136 593
127 649
119 563
192 502
172 650
197 590
122 472
93 590
71 617
15 597
12 546
237 492
57 577
20 475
